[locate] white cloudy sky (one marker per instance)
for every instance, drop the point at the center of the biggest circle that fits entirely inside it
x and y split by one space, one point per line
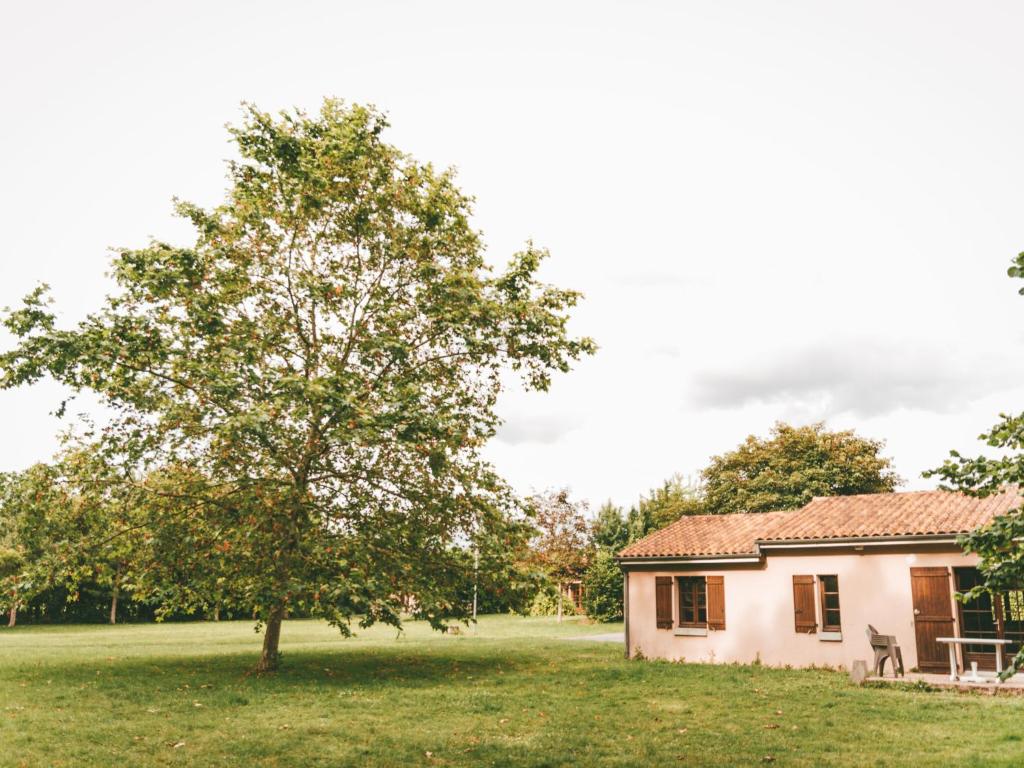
792 210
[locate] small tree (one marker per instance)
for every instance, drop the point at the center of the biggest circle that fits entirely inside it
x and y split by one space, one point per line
561 548
602 588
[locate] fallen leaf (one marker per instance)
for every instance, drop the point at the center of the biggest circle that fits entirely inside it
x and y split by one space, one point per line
503 720
769 726
778 711
177 745
682 730
767 759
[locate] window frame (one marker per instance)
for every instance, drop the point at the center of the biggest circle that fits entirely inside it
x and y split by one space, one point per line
698 591
823 605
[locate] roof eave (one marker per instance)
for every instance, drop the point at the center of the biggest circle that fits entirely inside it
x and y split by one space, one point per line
861 541
687 559
756 557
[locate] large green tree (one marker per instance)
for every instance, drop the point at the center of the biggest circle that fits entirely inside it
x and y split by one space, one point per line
308 386
791 466
999 545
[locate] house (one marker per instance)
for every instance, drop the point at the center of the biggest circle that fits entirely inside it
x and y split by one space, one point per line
800 587
572 592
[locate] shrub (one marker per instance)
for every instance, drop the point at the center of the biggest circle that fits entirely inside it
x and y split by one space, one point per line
602 588
545 603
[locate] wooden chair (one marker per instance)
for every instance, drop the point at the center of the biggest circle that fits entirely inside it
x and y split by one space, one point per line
885 647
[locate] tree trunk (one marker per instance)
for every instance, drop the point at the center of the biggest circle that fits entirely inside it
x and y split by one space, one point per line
559 602
12 616
114 596
270 657
216 612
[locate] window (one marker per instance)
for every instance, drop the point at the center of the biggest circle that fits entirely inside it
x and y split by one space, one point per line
988 616
693 601
828 590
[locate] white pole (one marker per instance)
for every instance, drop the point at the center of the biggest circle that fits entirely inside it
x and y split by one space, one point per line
476 578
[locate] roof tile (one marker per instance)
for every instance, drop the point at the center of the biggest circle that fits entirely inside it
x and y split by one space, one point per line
914 513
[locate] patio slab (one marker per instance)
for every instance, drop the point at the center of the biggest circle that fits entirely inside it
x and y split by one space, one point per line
1012 687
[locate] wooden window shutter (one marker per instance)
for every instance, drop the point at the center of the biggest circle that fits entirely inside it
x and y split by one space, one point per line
803 605
663 600
716 602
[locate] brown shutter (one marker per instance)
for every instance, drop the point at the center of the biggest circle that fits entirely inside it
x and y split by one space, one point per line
716 602
803 604
663 600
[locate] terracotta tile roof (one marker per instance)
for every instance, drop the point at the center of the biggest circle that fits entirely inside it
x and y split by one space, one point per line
698 535
917 513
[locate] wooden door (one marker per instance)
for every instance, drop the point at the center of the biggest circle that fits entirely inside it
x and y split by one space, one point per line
933 616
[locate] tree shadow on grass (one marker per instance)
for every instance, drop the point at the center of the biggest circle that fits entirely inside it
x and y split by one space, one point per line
350 668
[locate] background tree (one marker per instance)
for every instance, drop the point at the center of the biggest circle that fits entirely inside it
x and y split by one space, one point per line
999 545
308 386
28 500
609 529
676 497
99 533
561 548
602 587
791 466
11 555
74 525
499 560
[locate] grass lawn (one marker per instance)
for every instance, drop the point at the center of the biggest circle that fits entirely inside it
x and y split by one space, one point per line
515 693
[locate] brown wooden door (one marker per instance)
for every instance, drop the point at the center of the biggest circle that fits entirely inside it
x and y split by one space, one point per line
933 616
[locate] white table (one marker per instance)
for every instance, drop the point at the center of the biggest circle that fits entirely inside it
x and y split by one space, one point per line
952 642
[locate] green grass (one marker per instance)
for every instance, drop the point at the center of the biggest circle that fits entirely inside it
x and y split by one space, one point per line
515 693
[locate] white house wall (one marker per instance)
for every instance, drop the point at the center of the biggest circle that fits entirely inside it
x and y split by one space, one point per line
873 589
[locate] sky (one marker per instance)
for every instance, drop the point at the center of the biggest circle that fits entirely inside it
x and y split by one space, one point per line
792 211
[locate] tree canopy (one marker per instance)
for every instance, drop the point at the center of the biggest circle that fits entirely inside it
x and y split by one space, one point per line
999 545
791 466
303 393
562 545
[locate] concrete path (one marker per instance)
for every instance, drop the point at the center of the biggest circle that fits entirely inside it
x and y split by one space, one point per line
607 637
